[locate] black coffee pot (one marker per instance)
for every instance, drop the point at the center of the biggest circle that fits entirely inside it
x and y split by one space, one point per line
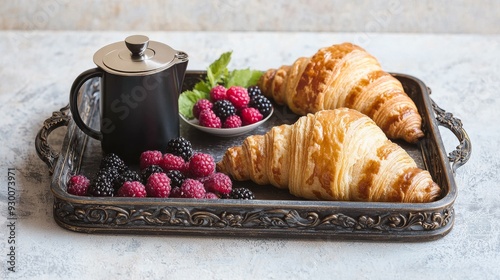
140 84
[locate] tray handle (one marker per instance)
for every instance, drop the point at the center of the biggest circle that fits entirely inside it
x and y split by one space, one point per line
43 149
462 153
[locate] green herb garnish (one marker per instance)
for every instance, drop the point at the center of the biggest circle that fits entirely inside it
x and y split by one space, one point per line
217 74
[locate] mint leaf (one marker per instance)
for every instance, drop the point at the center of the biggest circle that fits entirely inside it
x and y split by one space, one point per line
187 100
218 69
202 86
217 73
243 78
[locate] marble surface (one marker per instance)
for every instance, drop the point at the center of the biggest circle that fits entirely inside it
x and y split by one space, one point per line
37 69
445 16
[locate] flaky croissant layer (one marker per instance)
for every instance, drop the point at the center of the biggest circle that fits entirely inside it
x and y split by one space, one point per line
331 155
345 75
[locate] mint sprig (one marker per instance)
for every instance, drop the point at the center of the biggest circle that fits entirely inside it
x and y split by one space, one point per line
243 78
218 69
217 74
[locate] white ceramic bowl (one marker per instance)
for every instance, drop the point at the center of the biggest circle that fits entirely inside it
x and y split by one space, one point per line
226 132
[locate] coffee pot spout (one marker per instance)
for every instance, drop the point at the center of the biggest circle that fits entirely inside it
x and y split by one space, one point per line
181 62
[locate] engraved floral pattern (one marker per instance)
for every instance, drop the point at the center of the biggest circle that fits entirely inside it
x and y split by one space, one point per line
286 219
463 151
290 219
45 152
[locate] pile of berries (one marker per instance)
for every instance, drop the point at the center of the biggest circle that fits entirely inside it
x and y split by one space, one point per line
179 172
232 107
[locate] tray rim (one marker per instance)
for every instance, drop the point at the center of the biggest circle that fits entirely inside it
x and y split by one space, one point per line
445 202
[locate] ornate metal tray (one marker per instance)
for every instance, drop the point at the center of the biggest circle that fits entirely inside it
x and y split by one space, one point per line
275 213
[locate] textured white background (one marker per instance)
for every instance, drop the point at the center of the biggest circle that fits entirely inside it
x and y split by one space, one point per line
422 16
38 67
462 71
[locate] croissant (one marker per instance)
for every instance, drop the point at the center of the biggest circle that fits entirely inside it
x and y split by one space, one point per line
345 75
331 155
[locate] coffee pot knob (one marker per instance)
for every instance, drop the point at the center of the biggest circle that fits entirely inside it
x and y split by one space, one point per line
137 44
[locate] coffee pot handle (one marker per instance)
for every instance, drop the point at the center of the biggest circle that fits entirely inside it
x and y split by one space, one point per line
73 101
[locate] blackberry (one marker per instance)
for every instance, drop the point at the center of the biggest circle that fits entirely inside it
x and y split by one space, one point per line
180 147
113 161
101 185
111 173
241 193
127 176
254 91
146 172
261 103
224 109
176 178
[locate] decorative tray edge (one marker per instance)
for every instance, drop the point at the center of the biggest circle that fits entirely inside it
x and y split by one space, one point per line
270 218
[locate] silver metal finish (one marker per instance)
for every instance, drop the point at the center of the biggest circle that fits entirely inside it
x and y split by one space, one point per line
137 44
462 153
136 56
274 212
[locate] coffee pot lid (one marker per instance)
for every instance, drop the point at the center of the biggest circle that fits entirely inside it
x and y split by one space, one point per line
136 56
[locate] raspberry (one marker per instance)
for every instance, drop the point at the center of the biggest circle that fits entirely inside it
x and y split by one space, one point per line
175 192
201 105
149 158
219 183
254 91
261 103
173 162
218 93
132 189
146 172
127 176
238 96
192 188
201 179
210 195
176 178
112 161
232 122
224 109
201 165
250 115
78 185
158 185
209 119
241 193
180 147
